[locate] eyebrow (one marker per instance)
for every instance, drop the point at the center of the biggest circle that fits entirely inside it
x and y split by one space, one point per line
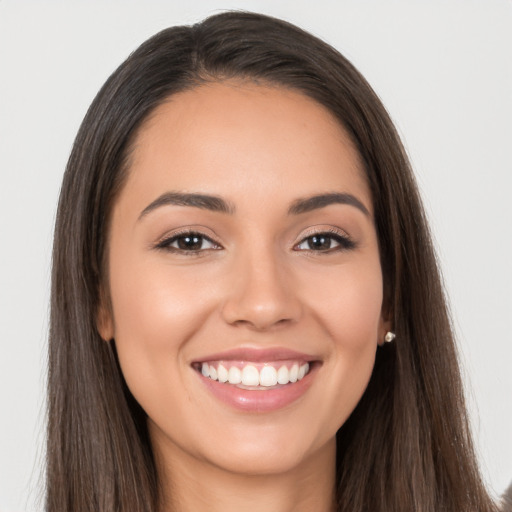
217 204
322 200
203 201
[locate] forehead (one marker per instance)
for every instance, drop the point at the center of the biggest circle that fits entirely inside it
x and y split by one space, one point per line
241 139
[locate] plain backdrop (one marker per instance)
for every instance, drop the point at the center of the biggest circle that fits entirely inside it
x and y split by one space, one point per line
444 71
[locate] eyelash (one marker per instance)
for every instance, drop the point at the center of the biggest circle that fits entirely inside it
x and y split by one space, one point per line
344 242
165 244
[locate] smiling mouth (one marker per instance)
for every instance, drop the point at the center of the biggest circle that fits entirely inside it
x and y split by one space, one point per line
254 376
257 381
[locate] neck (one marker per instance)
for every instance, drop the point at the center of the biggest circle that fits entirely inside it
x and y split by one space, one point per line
192 485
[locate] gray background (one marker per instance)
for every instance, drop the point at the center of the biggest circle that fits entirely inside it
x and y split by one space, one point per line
444 71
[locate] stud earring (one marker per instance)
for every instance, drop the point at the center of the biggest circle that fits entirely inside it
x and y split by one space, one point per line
390 336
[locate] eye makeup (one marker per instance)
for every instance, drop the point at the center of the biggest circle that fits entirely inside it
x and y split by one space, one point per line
325 241
190 242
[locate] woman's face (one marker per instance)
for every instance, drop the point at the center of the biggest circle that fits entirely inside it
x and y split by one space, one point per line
243 247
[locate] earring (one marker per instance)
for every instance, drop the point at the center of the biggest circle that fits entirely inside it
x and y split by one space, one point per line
390 336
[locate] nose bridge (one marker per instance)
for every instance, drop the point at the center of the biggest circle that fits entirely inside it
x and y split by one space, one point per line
262 293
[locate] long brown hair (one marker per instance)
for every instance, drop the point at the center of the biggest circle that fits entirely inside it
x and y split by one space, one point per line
407 445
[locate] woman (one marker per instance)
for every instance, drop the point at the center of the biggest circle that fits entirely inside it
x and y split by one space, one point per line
246 242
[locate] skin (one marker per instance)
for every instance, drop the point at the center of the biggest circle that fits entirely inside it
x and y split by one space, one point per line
258 284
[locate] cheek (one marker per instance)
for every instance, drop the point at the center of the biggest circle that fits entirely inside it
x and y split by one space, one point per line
354 319
155 313
146 310
154 302
349 309
347 301
355 314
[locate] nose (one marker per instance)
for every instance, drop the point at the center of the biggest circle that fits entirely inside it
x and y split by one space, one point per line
263 294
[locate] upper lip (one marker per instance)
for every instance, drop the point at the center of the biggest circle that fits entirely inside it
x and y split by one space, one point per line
257 355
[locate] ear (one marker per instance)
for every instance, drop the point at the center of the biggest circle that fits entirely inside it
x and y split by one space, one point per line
104 318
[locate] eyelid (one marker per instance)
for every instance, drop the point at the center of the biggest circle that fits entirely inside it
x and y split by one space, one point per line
322 229
343 239
165 241
348 242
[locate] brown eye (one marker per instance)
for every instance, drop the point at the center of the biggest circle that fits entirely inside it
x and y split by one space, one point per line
320 242
188 242
325 242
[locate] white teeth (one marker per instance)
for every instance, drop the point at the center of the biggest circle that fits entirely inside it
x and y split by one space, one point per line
234 375
222 373
268 376
283 375
302 371
294 373
250 376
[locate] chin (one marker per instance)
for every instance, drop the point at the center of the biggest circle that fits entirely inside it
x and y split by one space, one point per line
270 461
269 451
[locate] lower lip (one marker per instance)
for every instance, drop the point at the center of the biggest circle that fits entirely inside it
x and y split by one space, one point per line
259 400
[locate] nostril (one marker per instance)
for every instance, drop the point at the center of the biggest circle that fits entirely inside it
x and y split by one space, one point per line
262 297
259 324
260 317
